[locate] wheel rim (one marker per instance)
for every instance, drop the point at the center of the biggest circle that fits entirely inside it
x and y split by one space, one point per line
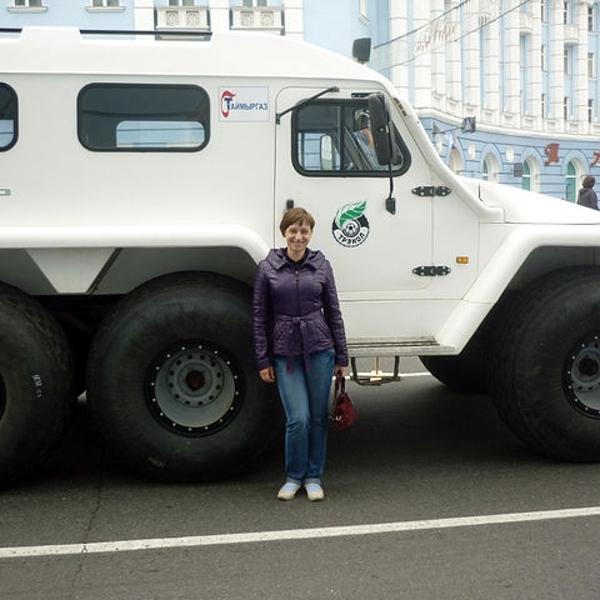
194 388
582 377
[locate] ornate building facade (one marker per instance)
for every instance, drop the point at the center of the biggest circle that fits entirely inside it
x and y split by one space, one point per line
526 70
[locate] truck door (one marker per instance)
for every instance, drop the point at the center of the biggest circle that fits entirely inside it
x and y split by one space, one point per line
325 163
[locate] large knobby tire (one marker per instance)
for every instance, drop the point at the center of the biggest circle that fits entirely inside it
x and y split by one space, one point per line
173 383
35 384
465 373
470 371
546 380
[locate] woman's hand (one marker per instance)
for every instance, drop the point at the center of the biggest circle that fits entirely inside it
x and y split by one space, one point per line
267 375
340 371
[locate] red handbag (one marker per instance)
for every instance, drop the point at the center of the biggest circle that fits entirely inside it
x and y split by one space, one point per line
343 413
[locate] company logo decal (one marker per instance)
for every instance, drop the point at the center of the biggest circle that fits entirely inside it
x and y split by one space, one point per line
226 100
244 103
350 227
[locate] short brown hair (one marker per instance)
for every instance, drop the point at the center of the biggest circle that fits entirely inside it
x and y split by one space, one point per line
296 215
588 181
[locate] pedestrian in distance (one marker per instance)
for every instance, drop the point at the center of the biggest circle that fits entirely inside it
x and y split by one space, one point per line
587 195
300 343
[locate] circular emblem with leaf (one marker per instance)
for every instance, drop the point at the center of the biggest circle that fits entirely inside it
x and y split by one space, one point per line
350 227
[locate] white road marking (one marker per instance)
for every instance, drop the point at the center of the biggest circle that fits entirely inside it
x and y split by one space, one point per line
294 534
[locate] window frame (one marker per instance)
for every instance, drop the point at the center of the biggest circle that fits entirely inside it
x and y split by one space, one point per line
363 10
526 176
16 125
354 103
159 149
543 65
104 4
567 61
543 105
27 5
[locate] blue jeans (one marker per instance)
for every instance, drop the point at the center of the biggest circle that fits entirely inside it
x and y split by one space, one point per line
305 398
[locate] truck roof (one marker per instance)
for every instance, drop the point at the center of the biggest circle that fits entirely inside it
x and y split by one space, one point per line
65 50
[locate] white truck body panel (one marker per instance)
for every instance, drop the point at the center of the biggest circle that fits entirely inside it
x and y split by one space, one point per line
233 192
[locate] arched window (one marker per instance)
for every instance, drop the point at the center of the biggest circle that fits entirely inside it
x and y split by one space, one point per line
571 183
490 168
526 178
455 162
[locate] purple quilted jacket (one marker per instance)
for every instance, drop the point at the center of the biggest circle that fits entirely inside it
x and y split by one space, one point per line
295 309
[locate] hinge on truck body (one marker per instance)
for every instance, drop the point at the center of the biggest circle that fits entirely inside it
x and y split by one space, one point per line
431 270
431 190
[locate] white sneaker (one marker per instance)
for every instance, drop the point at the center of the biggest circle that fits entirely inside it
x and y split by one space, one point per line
314 491
288 490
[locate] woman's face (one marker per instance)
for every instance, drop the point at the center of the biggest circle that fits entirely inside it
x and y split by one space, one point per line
297 237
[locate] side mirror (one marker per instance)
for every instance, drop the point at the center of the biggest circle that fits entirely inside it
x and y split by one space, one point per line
361 50
381 129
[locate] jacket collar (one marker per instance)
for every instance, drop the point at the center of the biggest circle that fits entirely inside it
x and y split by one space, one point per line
278 258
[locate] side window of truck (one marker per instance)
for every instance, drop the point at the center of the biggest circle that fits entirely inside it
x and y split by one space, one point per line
8 117
143 118
333 138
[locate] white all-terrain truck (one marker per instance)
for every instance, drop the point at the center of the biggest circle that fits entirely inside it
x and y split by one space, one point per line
142 180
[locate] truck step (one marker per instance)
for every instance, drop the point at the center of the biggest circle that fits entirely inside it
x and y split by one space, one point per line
367 347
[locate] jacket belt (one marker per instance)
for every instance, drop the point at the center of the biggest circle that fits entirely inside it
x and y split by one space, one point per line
301 323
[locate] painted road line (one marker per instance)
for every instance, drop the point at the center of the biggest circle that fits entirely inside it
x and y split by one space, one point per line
294 534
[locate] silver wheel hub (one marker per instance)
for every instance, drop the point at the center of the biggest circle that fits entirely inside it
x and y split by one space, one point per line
193 388
583 377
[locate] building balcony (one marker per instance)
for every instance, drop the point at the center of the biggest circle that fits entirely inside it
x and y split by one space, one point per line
258 18
182 18
571 34
526 22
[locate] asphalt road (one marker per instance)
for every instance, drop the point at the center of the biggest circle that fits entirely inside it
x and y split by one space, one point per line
418 452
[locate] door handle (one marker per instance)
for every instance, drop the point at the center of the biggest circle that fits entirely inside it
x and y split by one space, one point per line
289 203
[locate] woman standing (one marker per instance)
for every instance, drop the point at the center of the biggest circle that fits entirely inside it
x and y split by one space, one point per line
299 342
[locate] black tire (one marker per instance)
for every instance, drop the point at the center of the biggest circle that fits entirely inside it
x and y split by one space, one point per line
35 384
201 418
555 318
470 371
464 373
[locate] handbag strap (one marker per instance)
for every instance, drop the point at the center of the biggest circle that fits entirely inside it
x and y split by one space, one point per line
340 385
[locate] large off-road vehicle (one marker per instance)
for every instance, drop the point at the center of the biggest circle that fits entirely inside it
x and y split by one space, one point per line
142 180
